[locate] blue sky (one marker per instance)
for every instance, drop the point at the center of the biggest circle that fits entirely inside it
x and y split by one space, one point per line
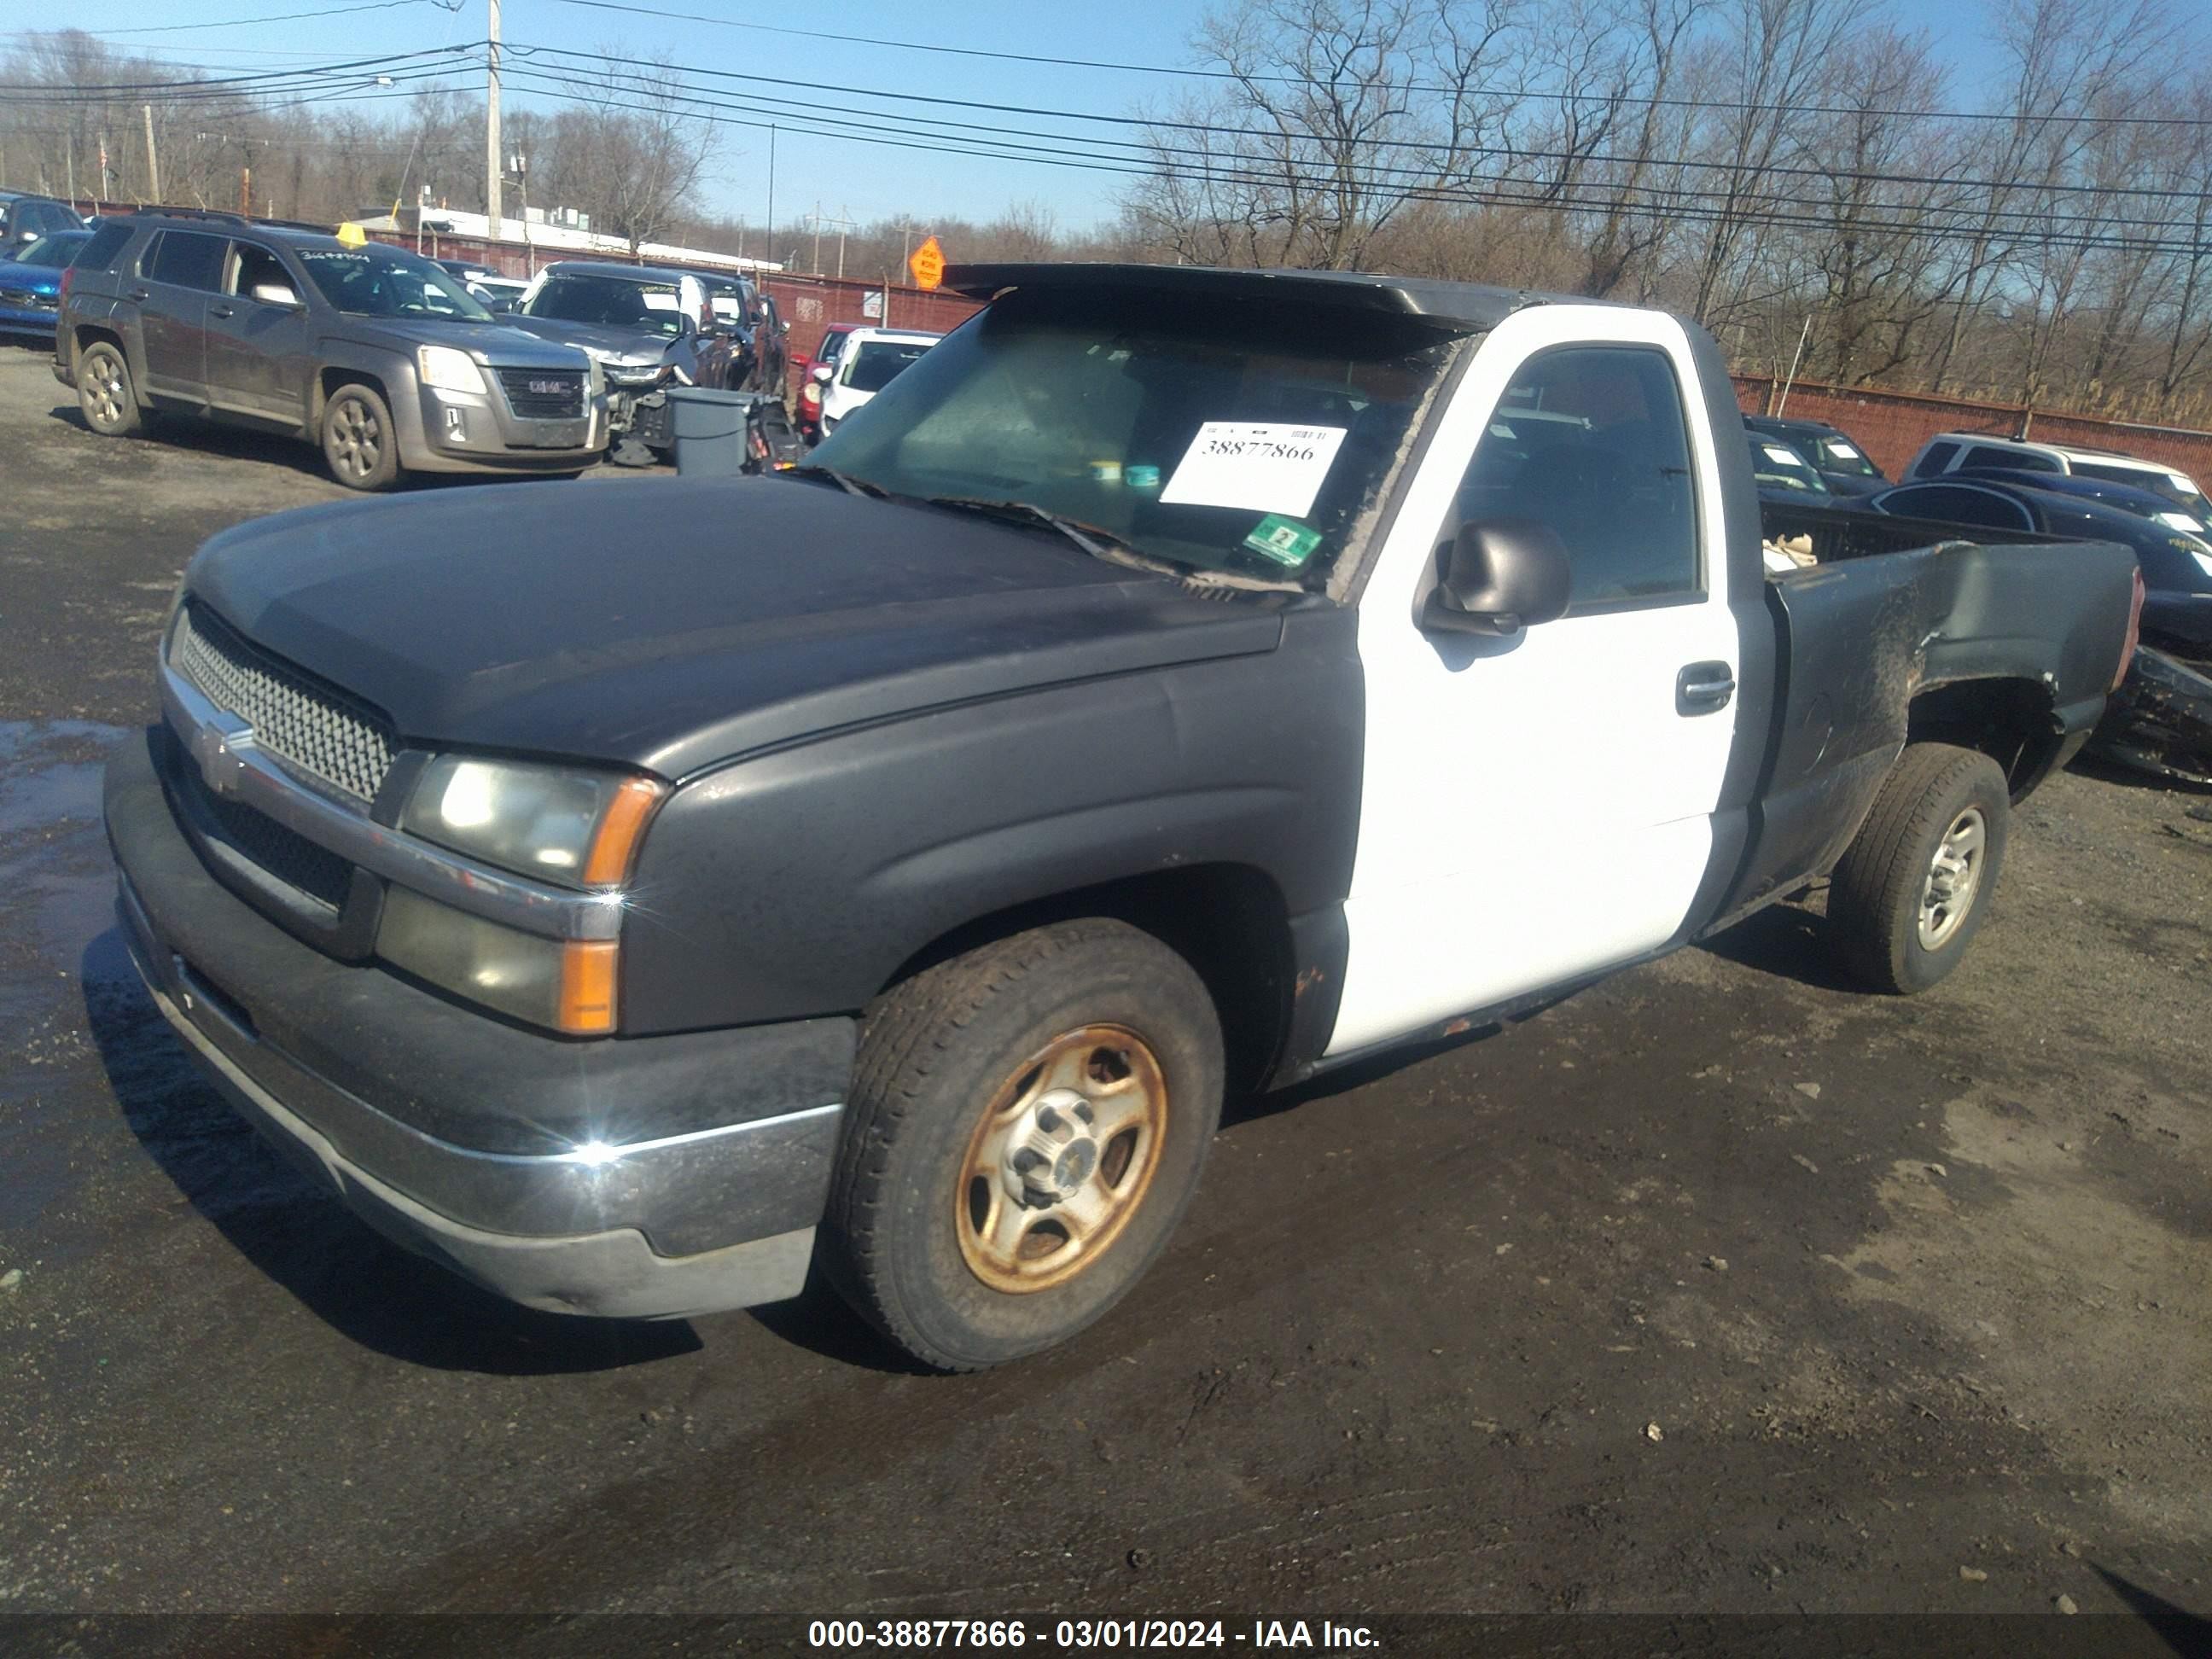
861 181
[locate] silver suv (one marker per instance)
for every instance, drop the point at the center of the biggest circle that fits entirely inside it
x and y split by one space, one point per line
377 355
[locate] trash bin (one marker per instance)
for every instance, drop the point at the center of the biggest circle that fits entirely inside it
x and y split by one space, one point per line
709 430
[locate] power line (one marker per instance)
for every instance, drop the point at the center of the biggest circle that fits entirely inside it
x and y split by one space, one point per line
291 16
1547 94
1756 214
1150 125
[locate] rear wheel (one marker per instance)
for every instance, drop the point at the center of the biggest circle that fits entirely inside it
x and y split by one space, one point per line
1912 891
103 394
359 441
1028 1122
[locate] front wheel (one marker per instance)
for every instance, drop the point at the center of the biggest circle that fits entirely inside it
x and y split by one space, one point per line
359 441
103 396
1911 890
1028 1122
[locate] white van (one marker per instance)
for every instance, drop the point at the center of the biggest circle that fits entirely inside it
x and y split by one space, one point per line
1977 452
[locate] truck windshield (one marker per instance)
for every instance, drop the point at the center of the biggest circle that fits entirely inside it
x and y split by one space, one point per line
376 282
879 361
2177 487
609 302
1245 437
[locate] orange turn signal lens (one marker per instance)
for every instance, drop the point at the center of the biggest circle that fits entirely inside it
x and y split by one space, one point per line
587 987
614 848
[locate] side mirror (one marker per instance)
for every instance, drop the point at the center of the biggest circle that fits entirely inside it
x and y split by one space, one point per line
275 294
821 371
1499 577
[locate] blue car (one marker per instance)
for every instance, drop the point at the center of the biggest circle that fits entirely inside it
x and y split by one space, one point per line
31 284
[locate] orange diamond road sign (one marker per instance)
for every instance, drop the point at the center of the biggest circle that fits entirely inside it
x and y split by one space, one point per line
927 265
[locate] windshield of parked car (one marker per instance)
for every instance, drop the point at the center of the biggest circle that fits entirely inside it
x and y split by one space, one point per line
2177 487
1249 437
1841 455
1778 465
611 302
55 251
389 283
878 363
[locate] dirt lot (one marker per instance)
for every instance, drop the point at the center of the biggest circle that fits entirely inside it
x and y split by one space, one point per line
1718 1287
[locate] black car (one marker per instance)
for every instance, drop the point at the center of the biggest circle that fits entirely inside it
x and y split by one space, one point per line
1841 463
2160 719
2126 497
1781 467
24 219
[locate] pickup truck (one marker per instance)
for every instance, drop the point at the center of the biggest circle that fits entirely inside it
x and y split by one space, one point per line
1177 681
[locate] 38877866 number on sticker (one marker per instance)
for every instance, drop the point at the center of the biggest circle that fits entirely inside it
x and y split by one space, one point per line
1087 1635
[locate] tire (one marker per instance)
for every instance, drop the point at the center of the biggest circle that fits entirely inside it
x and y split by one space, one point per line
1887 913
360 442
964 1072
105 395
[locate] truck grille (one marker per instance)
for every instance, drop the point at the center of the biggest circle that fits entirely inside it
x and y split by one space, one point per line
288 856
304 725
24 299
543 394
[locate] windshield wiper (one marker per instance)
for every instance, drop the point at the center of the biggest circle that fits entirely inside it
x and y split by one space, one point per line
1099 543
851 486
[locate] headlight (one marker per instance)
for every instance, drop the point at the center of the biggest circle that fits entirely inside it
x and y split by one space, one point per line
449 369
565 985
578 828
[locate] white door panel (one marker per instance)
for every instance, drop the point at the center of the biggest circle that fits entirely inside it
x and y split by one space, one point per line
1533 807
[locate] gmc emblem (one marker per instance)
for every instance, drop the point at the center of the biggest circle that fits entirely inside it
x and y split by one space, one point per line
549 388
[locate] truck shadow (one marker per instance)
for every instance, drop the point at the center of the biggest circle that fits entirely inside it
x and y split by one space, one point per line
1787 942
364 1287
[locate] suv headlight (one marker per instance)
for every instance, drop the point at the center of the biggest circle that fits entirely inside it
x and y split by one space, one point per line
449 369
558 823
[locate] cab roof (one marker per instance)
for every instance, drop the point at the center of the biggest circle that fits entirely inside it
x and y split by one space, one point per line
1452 307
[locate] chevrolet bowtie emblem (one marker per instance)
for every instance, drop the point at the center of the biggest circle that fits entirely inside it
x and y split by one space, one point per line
219 749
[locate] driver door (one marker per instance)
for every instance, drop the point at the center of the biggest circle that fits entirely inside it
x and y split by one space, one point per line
1540 807
257 352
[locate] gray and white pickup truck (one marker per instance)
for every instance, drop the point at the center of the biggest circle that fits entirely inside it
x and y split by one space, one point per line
1177 681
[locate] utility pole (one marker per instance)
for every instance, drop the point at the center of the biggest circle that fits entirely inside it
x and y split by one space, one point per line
818 236
492 160
153 162
69 149
770 238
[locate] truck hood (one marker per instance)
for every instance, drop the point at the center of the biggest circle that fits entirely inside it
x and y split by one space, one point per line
488 342
602 340
674 625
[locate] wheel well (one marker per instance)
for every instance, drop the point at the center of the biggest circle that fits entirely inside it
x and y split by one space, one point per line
332 379
1228 921
2008 720
90 334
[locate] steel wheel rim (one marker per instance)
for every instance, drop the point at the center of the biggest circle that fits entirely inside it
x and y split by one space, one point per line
355 433
1080 1179
1954 876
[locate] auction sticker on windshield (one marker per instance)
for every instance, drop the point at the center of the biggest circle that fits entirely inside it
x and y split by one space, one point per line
1262 466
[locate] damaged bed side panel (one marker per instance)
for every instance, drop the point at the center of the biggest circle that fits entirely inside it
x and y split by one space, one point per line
1860 640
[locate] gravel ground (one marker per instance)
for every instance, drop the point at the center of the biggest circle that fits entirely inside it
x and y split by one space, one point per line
1717 1287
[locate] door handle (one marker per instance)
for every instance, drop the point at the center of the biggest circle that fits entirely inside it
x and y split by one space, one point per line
1703 687
135 294
221 311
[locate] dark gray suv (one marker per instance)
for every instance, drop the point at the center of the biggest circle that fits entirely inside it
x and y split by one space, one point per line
376 354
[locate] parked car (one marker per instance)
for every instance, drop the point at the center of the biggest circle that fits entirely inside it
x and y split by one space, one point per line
639 324
372 352
1842 465
744 346
2162 719
2126 497
1972 452
1778 465
868 359
31 284
815 372
467 270
772 345
1174 685
25 218
498 294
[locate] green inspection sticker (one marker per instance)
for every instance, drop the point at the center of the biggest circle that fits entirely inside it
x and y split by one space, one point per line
1285 541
